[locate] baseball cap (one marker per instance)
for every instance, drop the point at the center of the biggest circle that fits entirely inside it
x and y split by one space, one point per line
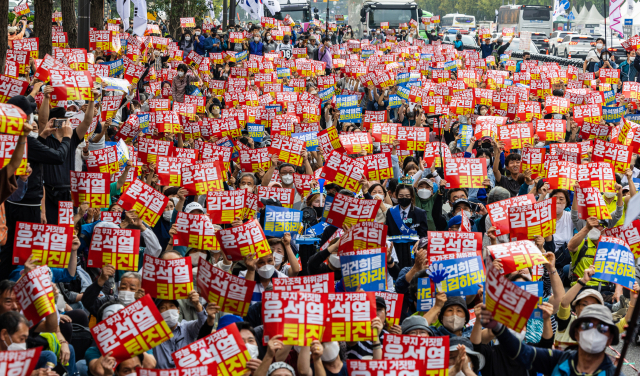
193 206
427 181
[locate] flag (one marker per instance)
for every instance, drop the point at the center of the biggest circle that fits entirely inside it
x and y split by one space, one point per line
124 9
614 16
273 6
139 17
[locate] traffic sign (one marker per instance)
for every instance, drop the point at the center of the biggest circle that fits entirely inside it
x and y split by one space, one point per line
628 21
571 17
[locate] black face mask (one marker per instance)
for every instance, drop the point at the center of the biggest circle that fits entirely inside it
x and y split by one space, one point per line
319 211
404 202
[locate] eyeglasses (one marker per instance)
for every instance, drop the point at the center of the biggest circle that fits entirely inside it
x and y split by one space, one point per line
602 328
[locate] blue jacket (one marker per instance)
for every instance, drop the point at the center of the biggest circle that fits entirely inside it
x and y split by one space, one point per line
546 361
628 72
208 46
487 49
255 48
198 44
216 49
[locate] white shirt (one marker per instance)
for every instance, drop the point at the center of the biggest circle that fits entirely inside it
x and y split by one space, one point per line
564 230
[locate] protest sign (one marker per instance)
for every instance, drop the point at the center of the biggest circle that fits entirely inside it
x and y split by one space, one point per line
394 306
430 353
426 295
114 217
286 196
279 221
225 206
529 220
509 304
169 170
7 146
596 174
115 246
201 178
377 166
364 235
614 262
342 170
167 279
355 143
386 366
444 245
516 136
225 348
517 255
19 362
591 204
208 370
71 85
349 317
618 156
90 187
629 233
35 296
561 175
137 328
319 283
288 149
329 140
238 242
65 213
194 231
551 129
364 269
231 293
351 210
144 200
465 172
498 211
460 276
50 244
103 160
149 149
298 316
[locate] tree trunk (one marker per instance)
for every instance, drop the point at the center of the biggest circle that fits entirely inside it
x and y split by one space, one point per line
232 12
69 22
42 25
4 35
97 14
175 13
225 12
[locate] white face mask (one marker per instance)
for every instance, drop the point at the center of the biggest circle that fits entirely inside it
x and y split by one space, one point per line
594 234
156 53
278 258
592 341
466 212
253 350
171 317
15 346
197 33
248 188
268 37
195 258
187 38
33 134
453 322
256 39
378 196
127 297
167 214
609 194
287 179
334 260
424 193
599 46
180 73
331 351
266 271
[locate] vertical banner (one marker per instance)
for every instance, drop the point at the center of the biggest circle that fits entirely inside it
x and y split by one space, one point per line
7 146
364 269
35 295
527 221
50 244
115 246
298 316
136 329
225 348
167 279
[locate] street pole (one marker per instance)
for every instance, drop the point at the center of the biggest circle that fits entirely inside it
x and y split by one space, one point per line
604 3
326 21
84 23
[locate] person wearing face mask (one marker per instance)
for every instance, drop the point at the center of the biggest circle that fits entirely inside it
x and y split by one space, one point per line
312 212
14 331
594 56
628 70
526 56
181 81
594 330
130 284
162 227
186 43
247 181
378 192
269 45
256 47
184 332
425 199
317 265
453 316
324 54
286 171
406 219
215 108
15 35
198 41
285 260
261 270
322 357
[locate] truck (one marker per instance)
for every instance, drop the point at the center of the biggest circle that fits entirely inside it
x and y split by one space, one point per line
299 10
395 12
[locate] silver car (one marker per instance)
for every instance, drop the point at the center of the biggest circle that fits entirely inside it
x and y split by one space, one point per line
576 45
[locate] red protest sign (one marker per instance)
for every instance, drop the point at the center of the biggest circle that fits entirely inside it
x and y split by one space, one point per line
377 166
90 187
302 182
596 174
445 245
319 283
498 211
149 149
225 348
298 316
465 172
71 85
618 156
286 196
533 160
255 159
517 255
384 132
344 171
65 213
137 328
7 146
349 317
195 231
551 129
167 279
354 143
329 141
516 135
288 149
115 217
35 295
588 113
629 233
556 105
103 160
351 210
510 304
144 200
431 353
208 370
529 220
364 235
115 246
19 362
50 244
169 170
561 175
386 366
9 88
591 204
202 178
394 306
231 293
225 206
109 106
238 242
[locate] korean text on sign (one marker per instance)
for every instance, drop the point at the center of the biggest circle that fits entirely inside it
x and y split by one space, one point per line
35 295
364 235
349 317
462 275
351 210
90 187
298 316
387 367
365 269
231 293
527 221
50 244
167 279
144 200
195 231
629 233
238 242
517 255
431 352
279 221
614 262
319 283
499 215
344 171
465 172
115 246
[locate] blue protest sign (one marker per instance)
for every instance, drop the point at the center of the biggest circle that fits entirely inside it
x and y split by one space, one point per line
536 289
466 131
346 101
318 229
403 92
426 294
351 115
609 97
365 269
394 101
613 114
143 120
311 139
614 262
402 78
256 131
279 220
116 67
462 276
327 94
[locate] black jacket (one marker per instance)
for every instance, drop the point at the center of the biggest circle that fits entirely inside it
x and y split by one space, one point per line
418 222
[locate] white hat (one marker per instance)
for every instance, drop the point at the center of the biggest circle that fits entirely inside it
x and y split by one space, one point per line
193 206
107 224
12 29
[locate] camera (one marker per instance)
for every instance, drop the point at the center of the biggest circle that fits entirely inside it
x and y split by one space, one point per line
57 123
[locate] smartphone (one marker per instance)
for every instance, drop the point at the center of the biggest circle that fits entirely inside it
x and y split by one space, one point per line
58 123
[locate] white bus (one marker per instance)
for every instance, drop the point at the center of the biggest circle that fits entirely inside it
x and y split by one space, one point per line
458 21
534 18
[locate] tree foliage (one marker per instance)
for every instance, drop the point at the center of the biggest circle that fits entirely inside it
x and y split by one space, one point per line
175 9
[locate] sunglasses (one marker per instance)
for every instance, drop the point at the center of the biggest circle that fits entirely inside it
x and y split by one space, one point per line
602 328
